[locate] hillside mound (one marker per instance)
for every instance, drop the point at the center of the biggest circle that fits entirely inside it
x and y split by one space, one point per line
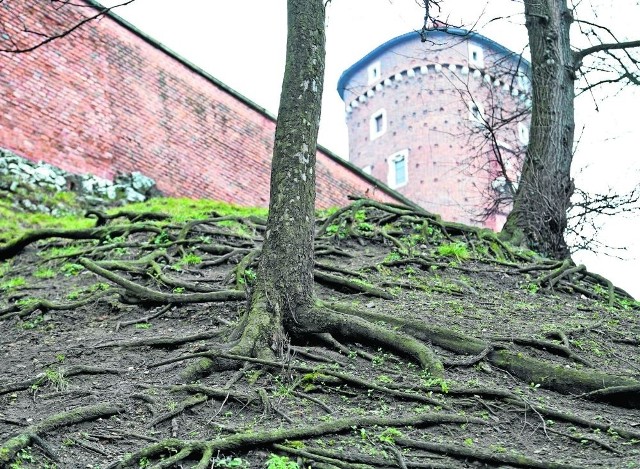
111 336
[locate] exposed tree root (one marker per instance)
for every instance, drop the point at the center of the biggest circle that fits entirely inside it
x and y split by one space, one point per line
354 285
152 296
14 247
463 452
184 448
41 378
11 447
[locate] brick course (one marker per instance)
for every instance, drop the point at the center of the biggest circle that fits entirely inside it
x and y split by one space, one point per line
105 99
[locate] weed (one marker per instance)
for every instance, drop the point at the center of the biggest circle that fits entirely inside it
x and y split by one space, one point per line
384 379
393 256
32 324
280 462
143 325
161 238
178 290
458 250
144 462
44 272
70 269
13 283
364 226
430 381
237 463
23 456
389 435
26 303
498 448
337 230
191 259
468 442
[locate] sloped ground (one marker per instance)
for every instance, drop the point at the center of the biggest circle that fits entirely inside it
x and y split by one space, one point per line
105 338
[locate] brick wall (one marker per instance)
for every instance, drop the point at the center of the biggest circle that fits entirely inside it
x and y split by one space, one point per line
105 99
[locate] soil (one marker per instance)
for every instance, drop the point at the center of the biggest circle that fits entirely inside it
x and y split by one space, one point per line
84 380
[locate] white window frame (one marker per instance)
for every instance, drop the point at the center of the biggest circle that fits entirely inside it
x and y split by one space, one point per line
476 108
374 72
523 133
523 81
392 177
478 61
373 126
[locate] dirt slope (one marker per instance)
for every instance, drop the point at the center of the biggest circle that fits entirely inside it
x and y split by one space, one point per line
110 337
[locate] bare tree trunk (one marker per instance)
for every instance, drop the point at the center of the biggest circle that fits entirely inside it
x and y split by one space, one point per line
284 288
539 216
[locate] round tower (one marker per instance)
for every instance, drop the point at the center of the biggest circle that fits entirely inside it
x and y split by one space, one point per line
442 118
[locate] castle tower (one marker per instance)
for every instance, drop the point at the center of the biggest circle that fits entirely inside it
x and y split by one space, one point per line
444 121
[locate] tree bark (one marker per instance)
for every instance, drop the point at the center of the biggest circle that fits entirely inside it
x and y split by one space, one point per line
284 287
539 216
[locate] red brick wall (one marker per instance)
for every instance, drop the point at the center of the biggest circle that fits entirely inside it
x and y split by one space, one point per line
104 100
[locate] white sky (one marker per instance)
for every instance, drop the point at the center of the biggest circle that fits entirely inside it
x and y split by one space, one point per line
242 43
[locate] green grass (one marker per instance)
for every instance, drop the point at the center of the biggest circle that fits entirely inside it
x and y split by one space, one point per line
182 209
458 250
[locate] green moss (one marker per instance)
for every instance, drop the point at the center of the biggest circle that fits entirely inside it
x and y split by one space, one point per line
182 209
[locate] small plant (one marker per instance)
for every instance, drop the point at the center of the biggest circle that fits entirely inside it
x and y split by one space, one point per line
56 379
33 323
60 357
281 462
143 325
161 238
229 462
458 250
191 259
13 283
178 290
144 462
431 381
44 272
393 256
533 288
74 295
70 269
23 456
337 230
250 275
384 379
389 435
468 442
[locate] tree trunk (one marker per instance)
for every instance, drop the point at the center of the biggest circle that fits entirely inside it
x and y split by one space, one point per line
539 216
284 286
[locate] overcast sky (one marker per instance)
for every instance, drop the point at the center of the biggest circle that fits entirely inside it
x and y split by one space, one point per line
242 43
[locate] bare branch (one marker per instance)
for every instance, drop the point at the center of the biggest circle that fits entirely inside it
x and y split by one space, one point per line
52 37
581 54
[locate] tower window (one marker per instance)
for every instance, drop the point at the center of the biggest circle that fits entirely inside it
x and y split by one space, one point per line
378 123
398 169
476 113
374 72
476 56
523 133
